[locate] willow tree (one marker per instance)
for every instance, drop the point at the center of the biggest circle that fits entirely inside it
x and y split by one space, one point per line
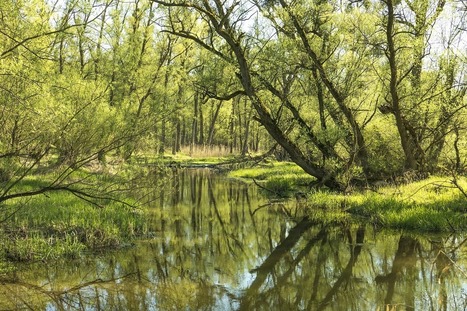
223 32
49 108
425 88
328 49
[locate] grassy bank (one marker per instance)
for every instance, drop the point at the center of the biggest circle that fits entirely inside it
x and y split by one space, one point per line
433 204
60 224
282 179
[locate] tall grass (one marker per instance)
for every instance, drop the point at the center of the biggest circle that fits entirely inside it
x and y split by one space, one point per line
200 151
432 204
60 224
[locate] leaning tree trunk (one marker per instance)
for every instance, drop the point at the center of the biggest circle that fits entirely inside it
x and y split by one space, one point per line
219 21
297 156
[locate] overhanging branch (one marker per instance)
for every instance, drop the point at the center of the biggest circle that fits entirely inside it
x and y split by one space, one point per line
88 197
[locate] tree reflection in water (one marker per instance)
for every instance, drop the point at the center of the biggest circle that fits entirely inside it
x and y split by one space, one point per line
212 248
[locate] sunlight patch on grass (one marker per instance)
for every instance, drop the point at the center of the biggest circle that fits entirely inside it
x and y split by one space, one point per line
281 178
428 205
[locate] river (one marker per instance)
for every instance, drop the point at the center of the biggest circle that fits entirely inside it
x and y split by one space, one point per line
219 244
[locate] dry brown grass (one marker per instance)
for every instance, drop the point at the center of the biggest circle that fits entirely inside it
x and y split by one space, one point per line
198 151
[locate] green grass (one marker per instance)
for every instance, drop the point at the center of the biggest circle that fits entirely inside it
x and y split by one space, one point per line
61 225
428 205
35 246
433 204
280 178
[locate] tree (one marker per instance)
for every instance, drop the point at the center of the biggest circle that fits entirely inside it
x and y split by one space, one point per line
46 116
227 42
305 25
423 100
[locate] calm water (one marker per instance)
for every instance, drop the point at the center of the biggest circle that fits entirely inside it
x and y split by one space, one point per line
219 245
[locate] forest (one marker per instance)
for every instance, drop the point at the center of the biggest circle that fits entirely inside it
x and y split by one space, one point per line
233 154
354 92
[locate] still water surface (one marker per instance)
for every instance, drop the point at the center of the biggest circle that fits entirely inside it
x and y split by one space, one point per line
218 244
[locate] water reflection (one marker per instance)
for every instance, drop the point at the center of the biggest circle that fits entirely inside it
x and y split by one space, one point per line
216 244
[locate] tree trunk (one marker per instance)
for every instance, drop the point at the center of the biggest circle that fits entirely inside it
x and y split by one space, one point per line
163 121
183 139
213 123
232 127
407 146
201 124
194 124
246 135
177 137
320 95
97 58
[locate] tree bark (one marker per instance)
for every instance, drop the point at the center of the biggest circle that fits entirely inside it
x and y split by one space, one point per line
212 124
219 20
407 146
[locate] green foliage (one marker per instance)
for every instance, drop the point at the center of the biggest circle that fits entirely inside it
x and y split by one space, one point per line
81 81
6 268
387 157
113 78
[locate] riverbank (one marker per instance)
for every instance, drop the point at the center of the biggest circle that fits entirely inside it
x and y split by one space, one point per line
62 225
221 242
103 206
434 204
96 210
